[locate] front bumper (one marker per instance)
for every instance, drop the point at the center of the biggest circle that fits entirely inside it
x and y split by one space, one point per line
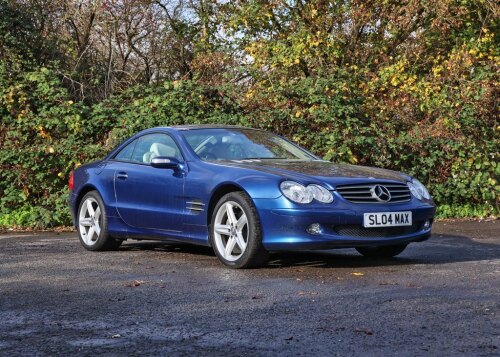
284 224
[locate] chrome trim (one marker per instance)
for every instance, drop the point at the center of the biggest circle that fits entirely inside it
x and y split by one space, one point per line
368 193
196 203
195 206
157 160
402 185
380 193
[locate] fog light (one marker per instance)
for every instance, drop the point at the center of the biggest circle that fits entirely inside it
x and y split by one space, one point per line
314 229
427 224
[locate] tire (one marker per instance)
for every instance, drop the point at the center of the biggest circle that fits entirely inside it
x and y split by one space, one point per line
235 232
92 224
382 252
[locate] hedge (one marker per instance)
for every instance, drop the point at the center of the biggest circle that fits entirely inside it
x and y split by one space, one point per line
44 134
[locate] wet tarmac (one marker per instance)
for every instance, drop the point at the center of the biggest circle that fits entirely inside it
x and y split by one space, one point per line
440 297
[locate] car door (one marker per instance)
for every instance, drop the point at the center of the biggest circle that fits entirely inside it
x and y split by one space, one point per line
148 197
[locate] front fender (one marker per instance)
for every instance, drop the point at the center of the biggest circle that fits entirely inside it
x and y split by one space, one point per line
258 186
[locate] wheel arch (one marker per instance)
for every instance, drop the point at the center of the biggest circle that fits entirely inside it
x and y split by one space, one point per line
217 195
81 193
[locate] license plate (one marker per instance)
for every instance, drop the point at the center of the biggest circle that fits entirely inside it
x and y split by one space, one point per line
387 219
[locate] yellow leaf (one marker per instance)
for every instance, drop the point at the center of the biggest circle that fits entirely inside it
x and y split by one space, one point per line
358 274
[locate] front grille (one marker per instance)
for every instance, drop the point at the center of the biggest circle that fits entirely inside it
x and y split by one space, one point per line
362 193
352 230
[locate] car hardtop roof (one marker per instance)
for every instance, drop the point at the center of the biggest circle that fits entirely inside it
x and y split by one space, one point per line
205 126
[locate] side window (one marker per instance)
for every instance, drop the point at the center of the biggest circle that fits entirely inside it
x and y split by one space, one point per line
153 145
125 154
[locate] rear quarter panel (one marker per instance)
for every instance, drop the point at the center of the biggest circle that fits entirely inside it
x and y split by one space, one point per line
94 176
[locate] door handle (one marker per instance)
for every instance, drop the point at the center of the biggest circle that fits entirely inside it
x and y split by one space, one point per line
122 175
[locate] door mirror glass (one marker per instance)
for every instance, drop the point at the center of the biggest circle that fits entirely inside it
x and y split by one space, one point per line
165 162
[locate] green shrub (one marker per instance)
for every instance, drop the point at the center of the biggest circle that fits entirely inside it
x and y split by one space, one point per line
44 135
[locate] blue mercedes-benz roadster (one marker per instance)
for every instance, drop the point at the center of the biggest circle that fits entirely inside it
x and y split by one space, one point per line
244 192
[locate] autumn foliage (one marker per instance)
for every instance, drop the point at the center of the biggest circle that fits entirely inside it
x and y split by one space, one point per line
407 85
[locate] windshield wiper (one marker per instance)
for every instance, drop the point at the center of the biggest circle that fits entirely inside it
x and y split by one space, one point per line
265 158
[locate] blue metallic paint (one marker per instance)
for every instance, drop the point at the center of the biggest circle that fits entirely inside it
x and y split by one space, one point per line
157 203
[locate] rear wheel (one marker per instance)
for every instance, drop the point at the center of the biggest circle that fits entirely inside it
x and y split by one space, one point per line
235 232
382 252
93 224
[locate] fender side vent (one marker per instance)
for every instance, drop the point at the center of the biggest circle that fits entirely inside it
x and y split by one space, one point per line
195 206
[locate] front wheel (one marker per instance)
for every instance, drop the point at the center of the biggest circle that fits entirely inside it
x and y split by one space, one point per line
93 224
382 252
235 232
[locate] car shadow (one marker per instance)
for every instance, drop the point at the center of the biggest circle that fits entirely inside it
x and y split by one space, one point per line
439 249
169 247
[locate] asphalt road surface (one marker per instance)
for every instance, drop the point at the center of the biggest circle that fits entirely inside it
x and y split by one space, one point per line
440 297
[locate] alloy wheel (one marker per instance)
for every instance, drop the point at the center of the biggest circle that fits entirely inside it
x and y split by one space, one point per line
231 231
90 221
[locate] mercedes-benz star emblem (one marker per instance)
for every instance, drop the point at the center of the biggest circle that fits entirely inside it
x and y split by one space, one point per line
380 193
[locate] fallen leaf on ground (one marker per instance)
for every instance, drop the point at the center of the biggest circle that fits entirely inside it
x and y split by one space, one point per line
302 293
134 284
388 283
116 336
413 286
358 274
365 331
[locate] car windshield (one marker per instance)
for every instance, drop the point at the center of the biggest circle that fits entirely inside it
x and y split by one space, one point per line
242 144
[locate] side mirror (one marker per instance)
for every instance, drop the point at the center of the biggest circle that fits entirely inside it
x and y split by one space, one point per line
165 162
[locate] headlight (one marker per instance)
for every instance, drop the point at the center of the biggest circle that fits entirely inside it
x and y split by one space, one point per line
418 190
296 192
414 190
301 194
421 189
320 193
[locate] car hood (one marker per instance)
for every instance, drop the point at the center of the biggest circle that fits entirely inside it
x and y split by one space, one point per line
328 172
